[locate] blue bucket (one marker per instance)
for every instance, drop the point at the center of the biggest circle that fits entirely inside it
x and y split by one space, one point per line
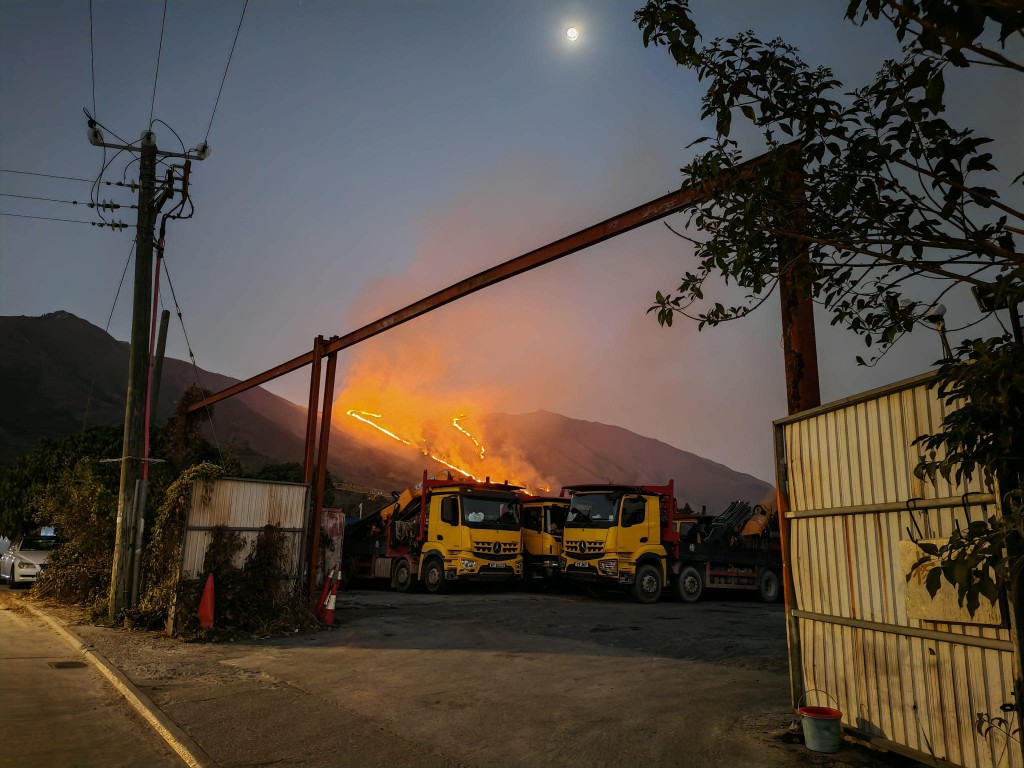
822 726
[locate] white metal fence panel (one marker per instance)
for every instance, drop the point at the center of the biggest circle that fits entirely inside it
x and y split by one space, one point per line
846 474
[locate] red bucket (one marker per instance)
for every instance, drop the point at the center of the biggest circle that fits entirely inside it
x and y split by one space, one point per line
822 726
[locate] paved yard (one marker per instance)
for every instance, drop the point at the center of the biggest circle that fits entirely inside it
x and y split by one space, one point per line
485 678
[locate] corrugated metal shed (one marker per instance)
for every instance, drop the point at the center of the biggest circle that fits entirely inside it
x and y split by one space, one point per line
245 506
847 486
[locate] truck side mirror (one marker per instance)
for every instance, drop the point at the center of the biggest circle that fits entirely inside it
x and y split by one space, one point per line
450 510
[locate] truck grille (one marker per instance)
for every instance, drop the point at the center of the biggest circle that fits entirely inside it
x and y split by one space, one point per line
495 547
583 547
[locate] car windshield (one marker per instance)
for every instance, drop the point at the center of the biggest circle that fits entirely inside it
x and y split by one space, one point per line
38 544
478 512
593 510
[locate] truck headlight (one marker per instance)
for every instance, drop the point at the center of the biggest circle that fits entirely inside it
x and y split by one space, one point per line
23 564
561 562
610 567
469 564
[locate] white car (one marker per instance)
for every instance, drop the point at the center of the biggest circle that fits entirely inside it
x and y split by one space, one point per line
26 559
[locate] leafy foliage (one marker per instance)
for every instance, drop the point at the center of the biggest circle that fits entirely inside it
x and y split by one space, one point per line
162 553
24 484
83 509
892 205
254 599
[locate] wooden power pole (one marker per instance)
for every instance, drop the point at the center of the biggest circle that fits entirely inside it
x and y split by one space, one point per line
133 451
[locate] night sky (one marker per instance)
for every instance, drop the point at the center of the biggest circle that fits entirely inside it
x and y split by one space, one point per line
367 154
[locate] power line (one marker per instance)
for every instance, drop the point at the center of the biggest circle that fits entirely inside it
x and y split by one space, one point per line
191 356
105 206
130 184
159 50
226 66
92 60
112 225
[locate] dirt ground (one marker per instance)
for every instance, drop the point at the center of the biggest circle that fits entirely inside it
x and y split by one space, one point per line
485 678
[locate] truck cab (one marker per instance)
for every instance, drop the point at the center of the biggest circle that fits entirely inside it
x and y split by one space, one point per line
543 522
438 532
621 534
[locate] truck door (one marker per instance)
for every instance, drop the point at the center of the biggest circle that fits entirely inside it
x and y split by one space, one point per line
533 519
444 522
634 525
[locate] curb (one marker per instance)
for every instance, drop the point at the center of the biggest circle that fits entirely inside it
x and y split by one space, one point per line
179 741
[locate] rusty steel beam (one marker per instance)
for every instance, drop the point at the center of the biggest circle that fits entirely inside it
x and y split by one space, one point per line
321 469
656 209
311 410
260 378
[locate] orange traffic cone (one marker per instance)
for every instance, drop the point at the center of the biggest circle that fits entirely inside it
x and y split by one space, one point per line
323 594
328 614
206 604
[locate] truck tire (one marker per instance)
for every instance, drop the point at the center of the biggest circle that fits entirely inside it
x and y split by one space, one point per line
433 577
689 584
647 585
403 576
768 586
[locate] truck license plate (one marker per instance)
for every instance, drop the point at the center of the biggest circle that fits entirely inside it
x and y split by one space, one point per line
499 565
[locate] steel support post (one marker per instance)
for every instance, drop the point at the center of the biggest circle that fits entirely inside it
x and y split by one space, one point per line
321 470
311 411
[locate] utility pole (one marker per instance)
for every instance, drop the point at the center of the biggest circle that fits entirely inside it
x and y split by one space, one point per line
138 370
132 490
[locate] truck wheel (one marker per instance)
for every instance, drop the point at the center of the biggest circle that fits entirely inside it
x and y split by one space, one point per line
689 584
768 586
433 577
647 585
403 576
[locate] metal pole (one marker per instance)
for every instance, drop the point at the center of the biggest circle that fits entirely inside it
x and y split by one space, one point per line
158 362
141 496
135 399
311 411
321 469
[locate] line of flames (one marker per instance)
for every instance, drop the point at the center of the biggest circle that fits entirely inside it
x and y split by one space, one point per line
367 416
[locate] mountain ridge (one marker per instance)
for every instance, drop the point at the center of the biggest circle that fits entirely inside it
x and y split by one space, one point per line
65 372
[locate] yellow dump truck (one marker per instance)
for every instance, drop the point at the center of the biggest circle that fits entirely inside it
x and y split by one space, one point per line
438 532
622 534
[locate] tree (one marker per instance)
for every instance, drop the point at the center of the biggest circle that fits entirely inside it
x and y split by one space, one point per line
893 206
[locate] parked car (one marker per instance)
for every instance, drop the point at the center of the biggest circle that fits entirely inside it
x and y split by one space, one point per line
26 559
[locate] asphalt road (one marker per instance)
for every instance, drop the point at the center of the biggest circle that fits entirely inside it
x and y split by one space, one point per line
56 710
485 678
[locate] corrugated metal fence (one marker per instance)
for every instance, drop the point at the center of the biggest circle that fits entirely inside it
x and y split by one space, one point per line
245 506
907 672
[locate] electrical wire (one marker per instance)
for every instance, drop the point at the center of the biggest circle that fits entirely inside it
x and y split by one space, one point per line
158 120
226 67
66 178
112 225
92 59
159 51
109 206
192 357
110 317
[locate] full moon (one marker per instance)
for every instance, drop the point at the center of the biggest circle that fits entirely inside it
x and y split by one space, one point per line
572 33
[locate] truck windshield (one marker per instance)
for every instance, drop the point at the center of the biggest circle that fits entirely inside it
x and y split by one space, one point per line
593 510
554 517
494 513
